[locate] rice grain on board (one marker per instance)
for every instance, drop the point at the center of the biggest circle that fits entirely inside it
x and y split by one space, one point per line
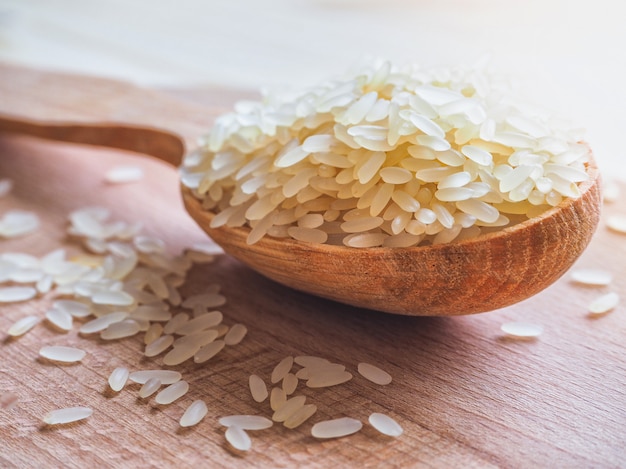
67 415
196 411
22 326
336 428
385 424
60 353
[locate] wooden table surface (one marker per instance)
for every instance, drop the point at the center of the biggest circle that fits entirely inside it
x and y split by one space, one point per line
465 395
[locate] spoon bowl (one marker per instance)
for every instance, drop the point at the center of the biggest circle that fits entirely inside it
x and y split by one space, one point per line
482 274
472 276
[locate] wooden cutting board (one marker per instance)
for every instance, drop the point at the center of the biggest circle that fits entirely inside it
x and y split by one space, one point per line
465 395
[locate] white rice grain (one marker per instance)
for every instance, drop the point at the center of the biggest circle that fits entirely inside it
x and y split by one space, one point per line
196 411
177 322
149 388
592 277
278 398
118 378
123 174
60 319
522 330
208 351
120 330
288 408
164 376
202 322
59 353
300 416
290 383
616 223
113 298
246 422
238 438
74 308
385 424
16 294
67 415
374 374
101 323
258 389
22 326
172 392
236 334
336 428
603 304
327 379
16 223
281 370
158 345
178 355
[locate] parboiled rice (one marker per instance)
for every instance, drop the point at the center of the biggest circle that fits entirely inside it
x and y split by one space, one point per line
380 139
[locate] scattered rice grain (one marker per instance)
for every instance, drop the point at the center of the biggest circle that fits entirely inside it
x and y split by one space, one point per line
385 424
238 438
281 370
22 326
594 277
123 174
603 304
300 416
68 415
194 414
336 428
172 392
374 374
235 334
149 387
258 389
59 353
118 378
522 330
164 376
246 422
208 351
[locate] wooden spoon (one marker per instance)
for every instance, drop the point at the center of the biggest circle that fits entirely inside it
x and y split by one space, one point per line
478 275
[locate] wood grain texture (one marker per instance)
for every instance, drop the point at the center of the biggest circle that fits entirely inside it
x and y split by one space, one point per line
465 395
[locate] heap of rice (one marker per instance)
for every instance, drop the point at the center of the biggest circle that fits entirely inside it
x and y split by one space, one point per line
387 157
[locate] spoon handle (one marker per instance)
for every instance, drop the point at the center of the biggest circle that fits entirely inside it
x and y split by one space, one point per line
103 112
160 144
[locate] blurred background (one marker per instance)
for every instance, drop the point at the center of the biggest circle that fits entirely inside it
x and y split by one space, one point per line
567 55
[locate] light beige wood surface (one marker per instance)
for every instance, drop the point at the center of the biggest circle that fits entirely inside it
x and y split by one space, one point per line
465 395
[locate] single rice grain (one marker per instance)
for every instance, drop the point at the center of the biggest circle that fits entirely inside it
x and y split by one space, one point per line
258 389
59 353
246 422
385 424
165 376
336 428
22 326
149 387
300 416
172 392
194 414
522 330
67 415
604 303
374 374
238 438
118 378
